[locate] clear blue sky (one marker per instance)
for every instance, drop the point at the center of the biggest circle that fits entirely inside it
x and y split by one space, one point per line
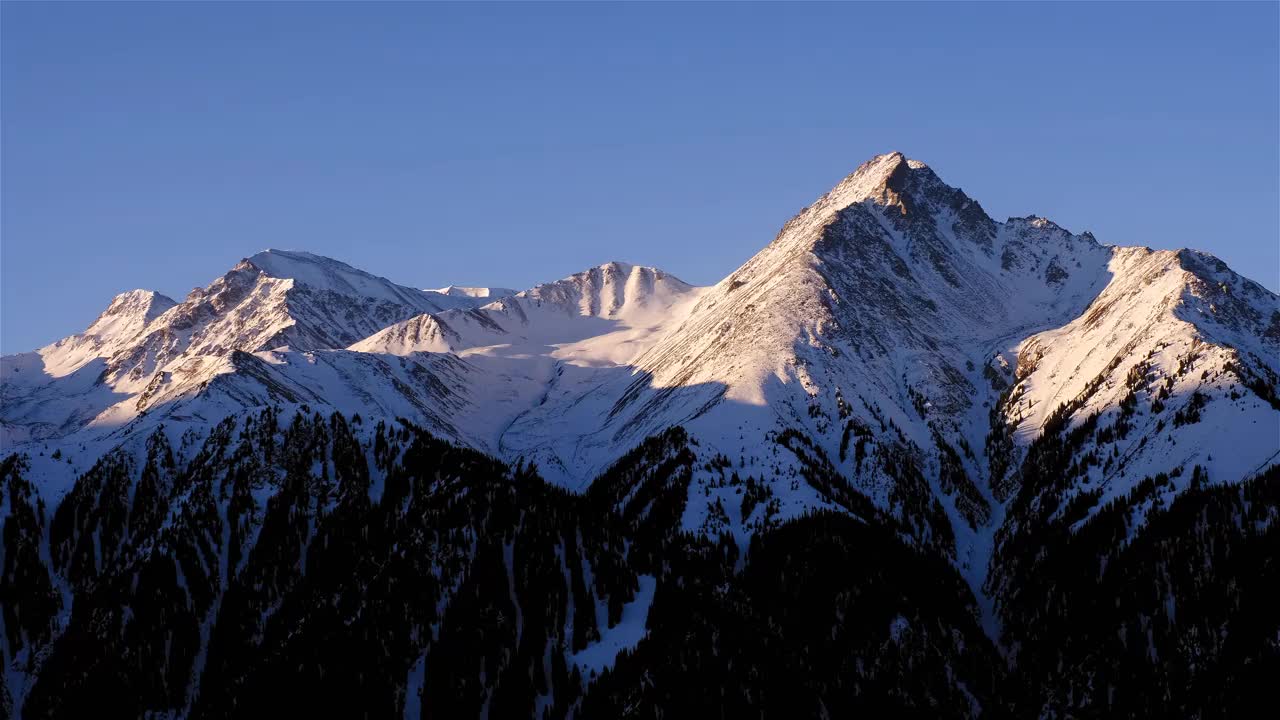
153 145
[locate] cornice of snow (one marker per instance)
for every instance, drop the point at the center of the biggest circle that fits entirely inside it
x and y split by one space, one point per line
479 293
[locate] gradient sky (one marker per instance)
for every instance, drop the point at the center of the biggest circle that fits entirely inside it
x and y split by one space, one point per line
155 144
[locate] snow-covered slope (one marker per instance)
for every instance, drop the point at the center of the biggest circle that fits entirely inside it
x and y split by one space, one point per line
914 345
558 342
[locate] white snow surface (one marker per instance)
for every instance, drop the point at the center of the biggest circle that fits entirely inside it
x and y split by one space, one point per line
893 301
483 293
630 630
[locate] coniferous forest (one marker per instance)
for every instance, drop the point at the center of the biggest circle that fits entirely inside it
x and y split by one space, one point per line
296 568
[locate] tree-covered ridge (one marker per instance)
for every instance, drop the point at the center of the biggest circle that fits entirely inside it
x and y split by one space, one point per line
318 566
1149 607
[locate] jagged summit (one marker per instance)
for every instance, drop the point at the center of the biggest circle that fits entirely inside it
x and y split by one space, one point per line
621 294
872 176
886 179
129 312
869 181
609 289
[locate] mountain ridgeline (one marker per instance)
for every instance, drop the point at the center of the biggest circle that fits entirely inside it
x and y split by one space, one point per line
906 461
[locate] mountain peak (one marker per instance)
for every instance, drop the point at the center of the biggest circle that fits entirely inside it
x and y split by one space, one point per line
290 264
324 274
132 309
151 301
879 172
891 179
617 266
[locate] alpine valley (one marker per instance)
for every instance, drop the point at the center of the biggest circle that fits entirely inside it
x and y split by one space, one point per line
907 461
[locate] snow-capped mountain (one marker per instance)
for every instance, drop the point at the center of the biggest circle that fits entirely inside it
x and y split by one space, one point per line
145 350
969 388
895 300
892 301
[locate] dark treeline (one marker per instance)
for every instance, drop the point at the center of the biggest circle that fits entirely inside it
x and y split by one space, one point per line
312 568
